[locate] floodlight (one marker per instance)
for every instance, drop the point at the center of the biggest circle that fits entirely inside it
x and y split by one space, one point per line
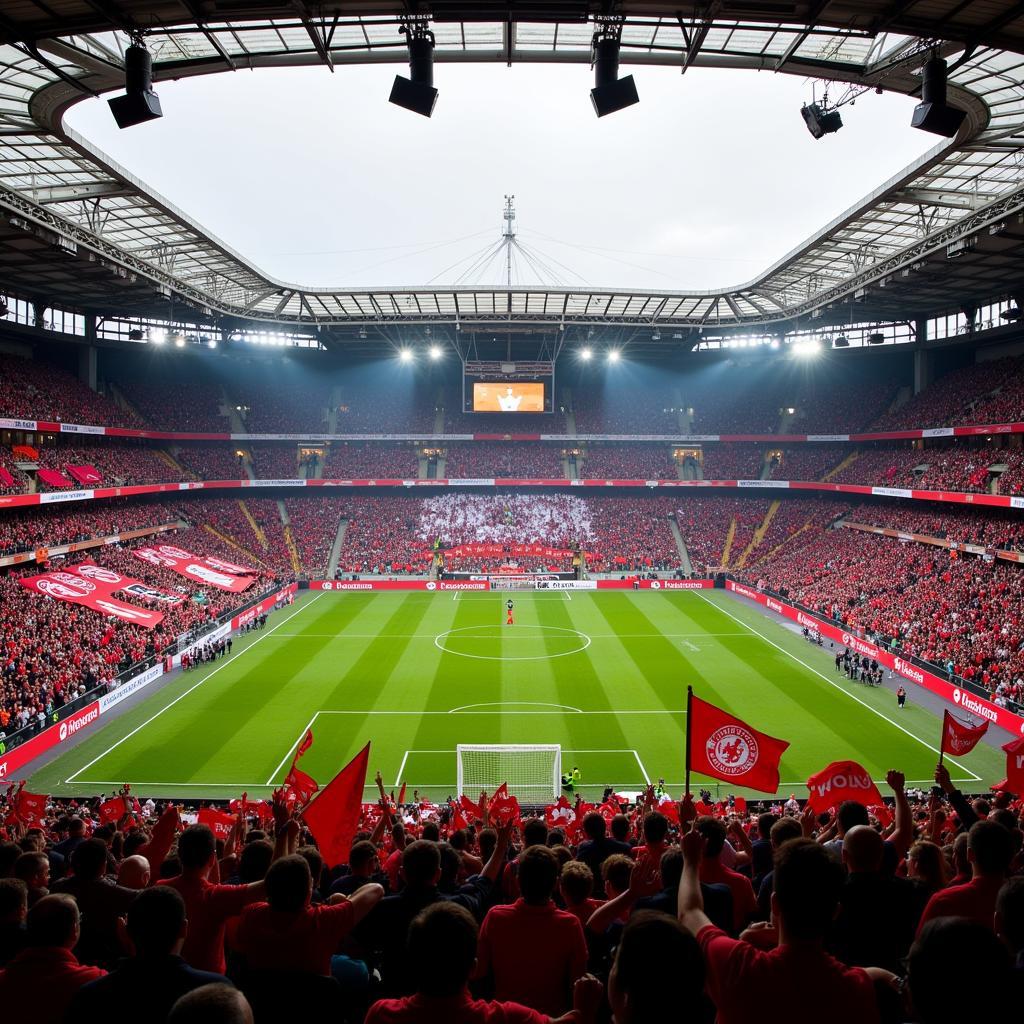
933 114
417 92
820 120
212 343
405 355
610 93
139 103
179 340
806 348
586 354
613 355
436 352
159 336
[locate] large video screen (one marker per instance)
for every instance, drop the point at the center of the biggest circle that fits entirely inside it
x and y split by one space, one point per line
508 396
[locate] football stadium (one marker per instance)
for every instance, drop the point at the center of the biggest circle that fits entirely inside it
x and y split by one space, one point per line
557 623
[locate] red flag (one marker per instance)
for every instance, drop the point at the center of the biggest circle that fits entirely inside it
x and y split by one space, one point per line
504 806
840 781
1014 781
333 816
670 810
113 810
740 805
30 807
723 747
458 818
401 795
219 822
298 786
958 738
608 810
473 810
304 744
560 815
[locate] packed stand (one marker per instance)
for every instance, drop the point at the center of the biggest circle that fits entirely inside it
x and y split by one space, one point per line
193 407
654 411
212 461
807 462
1006 404
795 518
704 526
225 517
276 462
50 526
628 462
989 528
279 408
632 535
384 411
352 460
524 459
380 536
38 391
119 463
478 911
314 524
19 481
733 462
827 409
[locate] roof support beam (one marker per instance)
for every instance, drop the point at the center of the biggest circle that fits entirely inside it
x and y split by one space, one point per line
68 193
211 37
798 40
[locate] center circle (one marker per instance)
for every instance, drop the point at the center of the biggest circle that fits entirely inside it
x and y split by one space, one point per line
476 636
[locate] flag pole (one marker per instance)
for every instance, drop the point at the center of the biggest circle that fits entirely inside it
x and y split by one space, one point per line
689 734
942 740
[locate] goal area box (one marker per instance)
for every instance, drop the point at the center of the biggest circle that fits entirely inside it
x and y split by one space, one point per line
532 771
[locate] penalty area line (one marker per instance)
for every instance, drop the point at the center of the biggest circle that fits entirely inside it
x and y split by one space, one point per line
841 689
194 686
309 725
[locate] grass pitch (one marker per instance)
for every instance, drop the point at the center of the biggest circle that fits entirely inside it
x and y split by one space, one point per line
603 674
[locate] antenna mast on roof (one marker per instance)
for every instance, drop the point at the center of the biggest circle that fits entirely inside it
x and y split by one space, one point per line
509 236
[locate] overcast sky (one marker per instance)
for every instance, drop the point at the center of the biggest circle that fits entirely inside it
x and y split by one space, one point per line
318 180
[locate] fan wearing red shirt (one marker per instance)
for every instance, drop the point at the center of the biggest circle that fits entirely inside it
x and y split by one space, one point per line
989 852
287 933
655 837
714 872
442 952
576 884
533 951
209 905
40 982
807 887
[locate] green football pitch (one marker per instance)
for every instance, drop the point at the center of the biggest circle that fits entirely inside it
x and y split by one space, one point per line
602 674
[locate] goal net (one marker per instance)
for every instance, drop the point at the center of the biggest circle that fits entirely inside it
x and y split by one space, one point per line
533 771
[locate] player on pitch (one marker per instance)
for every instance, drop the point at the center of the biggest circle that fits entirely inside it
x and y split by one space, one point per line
509 606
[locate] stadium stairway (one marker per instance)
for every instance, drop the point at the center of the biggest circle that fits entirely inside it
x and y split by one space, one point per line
767 556
759 533
289 540
257 530
339 543
166 456
120 400
684 555
730 535
848 461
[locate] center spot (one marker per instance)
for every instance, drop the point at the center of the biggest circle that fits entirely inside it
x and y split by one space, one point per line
512 643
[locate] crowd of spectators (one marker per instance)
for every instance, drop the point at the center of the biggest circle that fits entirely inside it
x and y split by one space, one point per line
192 407
35 390
639 911
119 462
276 462
632 534
987 527
49 526
960 612
624 411
807 461
212 461
353 460
628 462
280 408
381 536
733 462
20 480
794 516
314 525
704 525
378 410
526 460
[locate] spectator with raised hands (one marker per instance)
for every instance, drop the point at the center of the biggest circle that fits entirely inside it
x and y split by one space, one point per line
808 883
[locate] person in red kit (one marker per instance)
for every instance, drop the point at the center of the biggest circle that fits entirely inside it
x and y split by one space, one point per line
208 904
714 872
533 951
442 949
807 887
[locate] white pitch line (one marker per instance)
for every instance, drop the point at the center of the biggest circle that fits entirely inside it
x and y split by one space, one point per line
506 634
420 714
841 689
309 725
507 703
643 770
401 768
194 686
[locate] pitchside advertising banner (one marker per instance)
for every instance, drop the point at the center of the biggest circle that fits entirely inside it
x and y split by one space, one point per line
482 584
963 699
87 716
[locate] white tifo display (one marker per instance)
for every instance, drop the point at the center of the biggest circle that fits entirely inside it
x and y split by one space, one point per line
533 772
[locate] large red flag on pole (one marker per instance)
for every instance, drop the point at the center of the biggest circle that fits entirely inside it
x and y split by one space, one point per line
1014 766
959 738
333 816
724 747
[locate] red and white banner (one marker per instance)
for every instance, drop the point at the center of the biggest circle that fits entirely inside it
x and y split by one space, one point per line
53 478
93 590
964 699
195 568
512 550
46 740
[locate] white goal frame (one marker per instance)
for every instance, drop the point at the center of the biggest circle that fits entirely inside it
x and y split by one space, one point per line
543 787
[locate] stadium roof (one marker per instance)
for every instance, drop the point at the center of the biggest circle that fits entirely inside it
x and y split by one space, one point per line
79 231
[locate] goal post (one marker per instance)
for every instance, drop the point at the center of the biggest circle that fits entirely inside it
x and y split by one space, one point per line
533 771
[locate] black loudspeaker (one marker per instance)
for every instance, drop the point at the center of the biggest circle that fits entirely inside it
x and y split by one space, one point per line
414 96
614 96
933 114
135 108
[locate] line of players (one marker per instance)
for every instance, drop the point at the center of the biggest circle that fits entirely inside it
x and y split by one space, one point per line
859 667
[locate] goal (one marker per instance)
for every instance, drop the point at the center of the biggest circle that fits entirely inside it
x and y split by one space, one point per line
533 771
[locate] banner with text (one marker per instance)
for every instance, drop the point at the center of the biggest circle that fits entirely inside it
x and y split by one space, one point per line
93 591
195 568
